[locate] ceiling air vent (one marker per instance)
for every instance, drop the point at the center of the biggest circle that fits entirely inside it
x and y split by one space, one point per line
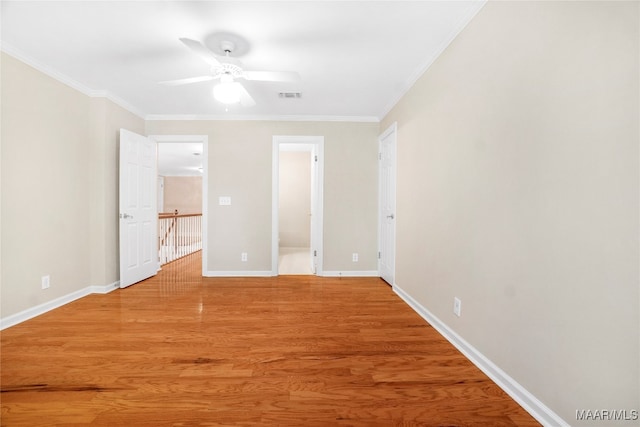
290 95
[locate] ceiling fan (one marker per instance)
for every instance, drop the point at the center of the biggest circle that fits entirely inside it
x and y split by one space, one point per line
228 70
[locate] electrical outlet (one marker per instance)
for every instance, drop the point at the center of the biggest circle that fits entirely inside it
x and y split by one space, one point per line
354 257
457 306
244 257
45 281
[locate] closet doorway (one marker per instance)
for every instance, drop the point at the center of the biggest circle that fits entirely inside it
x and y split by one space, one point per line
297 205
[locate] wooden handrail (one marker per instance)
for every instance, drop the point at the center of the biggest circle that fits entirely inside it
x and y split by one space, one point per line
164 215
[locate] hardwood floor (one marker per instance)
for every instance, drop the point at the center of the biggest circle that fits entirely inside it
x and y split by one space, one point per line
180 350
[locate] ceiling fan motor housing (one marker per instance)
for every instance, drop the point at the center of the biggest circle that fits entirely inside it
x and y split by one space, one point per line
227 46
226 69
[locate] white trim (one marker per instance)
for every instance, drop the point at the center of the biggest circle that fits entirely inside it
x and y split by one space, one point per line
32 312
267 118
118 101
317 149
364 273
457 29
95 289
205 203
528 401
250 273
45 69
275 203
393 128
204 139
64 79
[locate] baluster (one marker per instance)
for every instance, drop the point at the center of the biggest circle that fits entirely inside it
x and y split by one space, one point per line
178 236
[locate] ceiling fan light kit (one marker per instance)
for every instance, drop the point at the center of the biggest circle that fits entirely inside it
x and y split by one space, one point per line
227 91
227 69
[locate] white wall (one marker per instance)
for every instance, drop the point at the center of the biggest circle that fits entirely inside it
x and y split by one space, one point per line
518 188
240 156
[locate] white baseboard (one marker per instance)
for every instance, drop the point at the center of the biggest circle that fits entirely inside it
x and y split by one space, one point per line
528 401
255 273
365 273
105 289
32 312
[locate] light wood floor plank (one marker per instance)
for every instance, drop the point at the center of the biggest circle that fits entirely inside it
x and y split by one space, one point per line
180 350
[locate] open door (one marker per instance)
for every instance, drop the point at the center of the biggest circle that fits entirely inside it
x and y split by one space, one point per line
138 208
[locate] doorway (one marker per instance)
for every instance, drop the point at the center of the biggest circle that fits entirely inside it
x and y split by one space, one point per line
182 189
297 205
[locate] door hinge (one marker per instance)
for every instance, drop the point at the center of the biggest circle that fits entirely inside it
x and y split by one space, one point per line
379 156
315 253
315 158
379 255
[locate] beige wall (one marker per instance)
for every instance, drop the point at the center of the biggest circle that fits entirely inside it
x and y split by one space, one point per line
240 166
59 176
45 190
295 199
183 193
518 187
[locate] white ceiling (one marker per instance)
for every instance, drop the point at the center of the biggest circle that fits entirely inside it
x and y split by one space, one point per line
355 58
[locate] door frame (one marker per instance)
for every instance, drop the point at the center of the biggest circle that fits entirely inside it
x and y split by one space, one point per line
316 146
391 131
204 139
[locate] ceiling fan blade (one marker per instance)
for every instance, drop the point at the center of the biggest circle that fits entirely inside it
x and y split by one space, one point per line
201 51
272 76
187 81
246 100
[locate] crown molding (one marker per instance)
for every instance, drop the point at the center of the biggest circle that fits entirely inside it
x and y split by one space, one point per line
291 118
45 69
64 79
461 25
118 101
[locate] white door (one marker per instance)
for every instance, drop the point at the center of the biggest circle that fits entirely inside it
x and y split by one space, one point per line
138 208
387 194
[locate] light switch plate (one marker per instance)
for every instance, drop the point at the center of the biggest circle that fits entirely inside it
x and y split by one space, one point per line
224 200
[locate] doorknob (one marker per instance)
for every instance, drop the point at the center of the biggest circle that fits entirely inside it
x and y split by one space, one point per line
126 216
390 216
